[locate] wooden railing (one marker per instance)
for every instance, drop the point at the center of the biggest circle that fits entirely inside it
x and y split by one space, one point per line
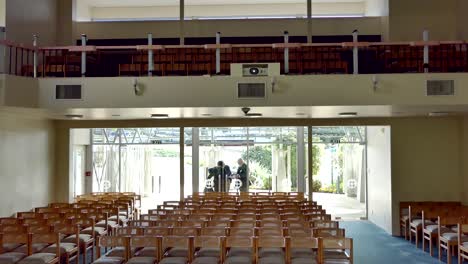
193 60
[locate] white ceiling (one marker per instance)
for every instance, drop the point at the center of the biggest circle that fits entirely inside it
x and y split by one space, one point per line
139 3
316 112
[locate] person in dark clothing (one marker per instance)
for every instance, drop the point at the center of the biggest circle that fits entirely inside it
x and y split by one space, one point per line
242 172
221 174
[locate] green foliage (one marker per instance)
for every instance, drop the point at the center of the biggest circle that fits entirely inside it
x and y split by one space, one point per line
317 185
328 189
163 153
260 155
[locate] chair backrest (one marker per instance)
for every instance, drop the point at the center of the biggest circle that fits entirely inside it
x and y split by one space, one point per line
9 221
334 243
328 232
269 231
168 242
157 231
111 242
325 224
185 231
298 231
129 231
13 238
46 238
42 228
141 223
16 228
241 231
269 242
240 242
213 231
145 241
210 242
303 242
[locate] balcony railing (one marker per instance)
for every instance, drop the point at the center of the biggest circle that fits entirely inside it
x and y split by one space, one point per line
193 60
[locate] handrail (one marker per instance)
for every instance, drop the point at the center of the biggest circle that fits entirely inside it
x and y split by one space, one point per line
294 58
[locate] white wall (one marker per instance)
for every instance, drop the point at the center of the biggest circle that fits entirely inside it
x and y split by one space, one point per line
24 18
26 162
2 12
379 177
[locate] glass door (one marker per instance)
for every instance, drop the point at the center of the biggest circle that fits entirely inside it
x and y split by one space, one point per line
79 159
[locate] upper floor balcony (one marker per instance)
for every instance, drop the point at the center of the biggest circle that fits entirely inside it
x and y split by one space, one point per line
215 59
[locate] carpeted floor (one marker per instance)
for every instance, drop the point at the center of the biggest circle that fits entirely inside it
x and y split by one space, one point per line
373 245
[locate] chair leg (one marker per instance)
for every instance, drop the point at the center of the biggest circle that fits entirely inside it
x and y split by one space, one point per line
416 238
423 242
430 246
440 251
449 254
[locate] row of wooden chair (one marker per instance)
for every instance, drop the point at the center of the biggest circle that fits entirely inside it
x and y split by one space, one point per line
446 226
219 249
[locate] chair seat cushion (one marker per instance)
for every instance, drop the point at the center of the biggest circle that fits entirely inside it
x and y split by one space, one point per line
64 248
418 222
271 260
270 252
98 231
302 253
121 217
11 257
238 260
433 229
206 260
10 247
454 237
37 247
304 261
208 252
39 258
465 245
177 252
235 252
147 252
335 254
173 260
109 260
83 238
116 252
142 260
109 224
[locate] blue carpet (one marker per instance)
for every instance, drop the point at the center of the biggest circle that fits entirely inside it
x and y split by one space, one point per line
373 245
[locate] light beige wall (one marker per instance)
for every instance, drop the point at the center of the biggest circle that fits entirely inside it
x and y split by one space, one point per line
409 18
232 28
464 168
289 90
65 24
426 158
379 177
2 12
26 161
25 18
20 91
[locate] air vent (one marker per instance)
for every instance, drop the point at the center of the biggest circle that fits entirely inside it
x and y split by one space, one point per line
251 90
440 87
68 92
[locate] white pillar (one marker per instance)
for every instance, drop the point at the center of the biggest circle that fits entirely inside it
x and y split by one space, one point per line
218 53
195 159
286 53
150 55
182 163
309 162
83 55
309 21
300 159
35 62
426 51
355 53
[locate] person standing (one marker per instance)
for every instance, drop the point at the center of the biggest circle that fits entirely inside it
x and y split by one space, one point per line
223 173
242 172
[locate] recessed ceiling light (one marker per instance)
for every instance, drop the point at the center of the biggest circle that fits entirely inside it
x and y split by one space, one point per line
206 114
439 113
71 116
115 115
159 116
300 114
348 114
254 115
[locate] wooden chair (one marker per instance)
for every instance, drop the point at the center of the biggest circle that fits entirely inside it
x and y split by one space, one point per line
117 242
270 249
185 231
176 249
49 239
302 249
269 231
333 249
208 249
448 240
462 231
148 253
9 221
69 250
141 223
9 242
86 240
325 224
430 232
214 231
157 231
240 249
129 231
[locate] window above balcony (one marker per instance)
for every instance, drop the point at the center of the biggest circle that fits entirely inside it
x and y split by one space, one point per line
143 10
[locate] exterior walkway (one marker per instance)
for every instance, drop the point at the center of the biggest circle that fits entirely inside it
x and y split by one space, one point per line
339 205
